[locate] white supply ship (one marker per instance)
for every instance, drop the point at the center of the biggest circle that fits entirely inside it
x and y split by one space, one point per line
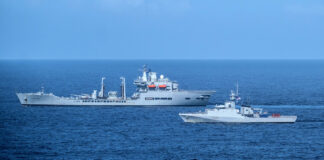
151 91
228 113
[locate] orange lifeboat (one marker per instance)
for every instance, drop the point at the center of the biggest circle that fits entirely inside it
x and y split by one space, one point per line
162 86
151 86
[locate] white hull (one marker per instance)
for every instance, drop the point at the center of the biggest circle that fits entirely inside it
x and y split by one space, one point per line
228 113
200 118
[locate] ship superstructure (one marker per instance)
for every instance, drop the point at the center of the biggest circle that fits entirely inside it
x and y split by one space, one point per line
151 90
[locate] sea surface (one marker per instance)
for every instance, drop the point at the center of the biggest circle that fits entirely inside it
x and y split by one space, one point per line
291 87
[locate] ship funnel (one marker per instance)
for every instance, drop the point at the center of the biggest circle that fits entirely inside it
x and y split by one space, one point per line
94 94
123 88
102 90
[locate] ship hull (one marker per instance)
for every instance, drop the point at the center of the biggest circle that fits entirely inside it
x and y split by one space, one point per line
199 118
179 98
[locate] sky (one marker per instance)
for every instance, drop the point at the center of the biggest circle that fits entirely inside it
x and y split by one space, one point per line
161 29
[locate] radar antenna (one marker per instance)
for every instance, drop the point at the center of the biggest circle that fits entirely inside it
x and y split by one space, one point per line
145 68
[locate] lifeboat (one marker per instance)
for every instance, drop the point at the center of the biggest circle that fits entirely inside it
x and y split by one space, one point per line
162 86
151 86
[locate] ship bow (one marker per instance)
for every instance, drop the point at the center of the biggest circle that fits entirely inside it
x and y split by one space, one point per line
21 97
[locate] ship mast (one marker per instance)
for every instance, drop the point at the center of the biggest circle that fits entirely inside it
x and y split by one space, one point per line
234 96
144 77
237 98
237 89
42 91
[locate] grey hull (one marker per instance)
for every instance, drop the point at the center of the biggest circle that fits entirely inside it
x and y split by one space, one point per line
178 98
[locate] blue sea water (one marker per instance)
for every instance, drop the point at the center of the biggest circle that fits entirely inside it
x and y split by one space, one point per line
294 87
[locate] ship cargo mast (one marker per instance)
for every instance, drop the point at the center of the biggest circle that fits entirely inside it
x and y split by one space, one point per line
123 88
102 90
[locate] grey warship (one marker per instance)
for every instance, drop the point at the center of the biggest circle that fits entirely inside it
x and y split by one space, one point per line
151 90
